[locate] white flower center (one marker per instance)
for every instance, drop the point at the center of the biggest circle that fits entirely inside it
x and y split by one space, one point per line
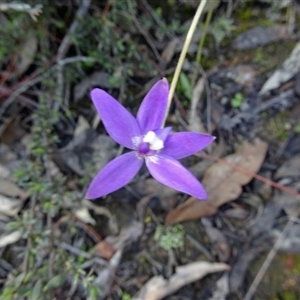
136 140
153 140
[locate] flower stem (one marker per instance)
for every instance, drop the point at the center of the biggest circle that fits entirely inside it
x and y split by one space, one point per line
184 52
201 43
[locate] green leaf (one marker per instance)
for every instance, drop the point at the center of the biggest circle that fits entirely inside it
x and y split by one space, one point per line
56 281
12 226
7 293
29 275
237 100
297 128
126 296
186 86
94 292
19 279
222 27
36 290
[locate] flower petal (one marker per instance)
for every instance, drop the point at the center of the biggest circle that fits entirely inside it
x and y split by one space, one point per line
172 173
118 121
183 144
163 133
152 111
114 175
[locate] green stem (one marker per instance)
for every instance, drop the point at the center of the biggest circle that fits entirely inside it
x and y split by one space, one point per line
201 43
184 52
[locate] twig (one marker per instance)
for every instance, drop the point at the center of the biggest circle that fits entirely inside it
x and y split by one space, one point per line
89 229
60 77
8 70
208 103
29 242
51 246
199 246
37 78
106 9
33 11
184 52
267 261
75 59
79 252
195 123
157 19
142 31
46 164
282 101
75 250
63 49
22 89
66 42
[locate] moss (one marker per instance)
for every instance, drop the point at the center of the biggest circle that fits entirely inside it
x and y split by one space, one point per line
277 126
266 58
279 285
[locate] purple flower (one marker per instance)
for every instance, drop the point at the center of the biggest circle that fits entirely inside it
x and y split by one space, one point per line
148 142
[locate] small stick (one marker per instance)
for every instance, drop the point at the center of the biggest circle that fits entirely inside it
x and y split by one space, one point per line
66 42
267 262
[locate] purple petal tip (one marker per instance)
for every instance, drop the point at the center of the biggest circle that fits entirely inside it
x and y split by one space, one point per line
165 80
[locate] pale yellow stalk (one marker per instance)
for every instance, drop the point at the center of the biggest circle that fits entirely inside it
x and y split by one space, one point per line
184 52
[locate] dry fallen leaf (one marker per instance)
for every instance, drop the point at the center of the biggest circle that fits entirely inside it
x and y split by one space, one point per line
10 238
26 55
291 203
82 126
290 168
127 235
111 244
103 211
8 160
10 189
220 289
10 131
85 147
260 36
104 250
289 69
84 215
11 196
167 196
98 78
169 51
10 207
222 183
242 74
194 119
220 244
106 277
158 287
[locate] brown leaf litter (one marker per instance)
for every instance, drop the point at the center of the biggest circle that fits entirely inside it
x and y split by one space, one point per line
222 183
158 287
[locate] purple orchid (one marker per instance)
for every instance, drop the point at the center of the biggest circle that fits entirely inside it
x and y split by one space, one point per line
148 142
